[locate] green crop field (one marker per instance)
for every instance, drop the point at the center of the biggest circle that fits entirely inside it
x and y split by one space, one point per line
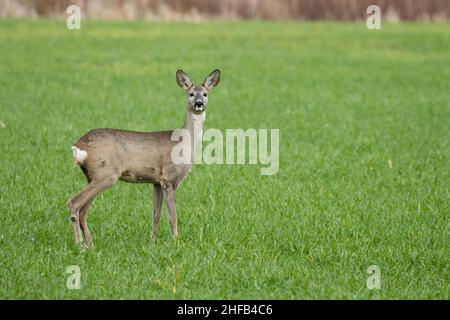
363 175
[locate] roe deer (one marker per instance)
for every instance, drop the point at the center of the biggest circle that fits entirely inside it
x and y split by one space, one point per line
107 155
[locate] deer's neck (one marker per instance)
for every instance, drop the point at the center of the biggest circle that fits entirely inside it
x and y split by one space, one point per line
194 124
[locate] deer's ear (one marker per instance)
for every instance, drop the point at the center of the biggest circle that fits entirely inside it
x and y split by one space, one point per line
212 80
183 80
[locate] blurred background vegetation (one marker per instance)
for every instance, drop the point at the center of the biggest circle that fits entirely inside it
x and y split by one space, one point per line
392 10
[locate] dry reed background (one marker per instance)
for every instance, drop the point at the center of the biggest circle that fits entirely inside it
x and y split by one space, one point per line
435 10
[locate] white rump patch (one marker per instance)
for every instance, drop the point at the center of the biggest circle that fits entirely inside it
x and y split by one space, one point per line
79 155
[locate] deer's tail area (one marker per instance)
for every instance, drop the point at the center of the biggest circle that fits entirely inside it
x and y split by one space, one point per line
78 155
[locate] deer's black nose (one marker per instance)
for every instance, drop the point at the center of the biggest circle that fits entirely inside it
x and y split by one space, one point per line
199 104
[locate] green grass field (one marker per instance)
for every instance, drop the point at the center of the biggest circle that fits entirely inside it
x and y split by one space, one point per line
364 158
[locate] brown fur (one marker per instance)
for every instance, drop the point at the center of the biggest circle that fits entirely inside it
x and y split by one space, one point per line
121 153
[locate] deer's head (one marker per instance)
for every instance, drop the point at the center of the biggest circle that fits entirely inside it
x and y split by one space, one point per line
197 95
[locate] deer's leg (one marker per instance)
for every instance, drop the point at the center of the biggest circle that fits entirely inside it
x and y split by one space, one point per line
83 223
157 203
75 214
83 215
169 196
76 229
85 196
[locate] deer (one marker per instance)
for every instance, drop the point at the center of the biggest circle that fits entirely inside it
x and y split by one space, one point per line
106 156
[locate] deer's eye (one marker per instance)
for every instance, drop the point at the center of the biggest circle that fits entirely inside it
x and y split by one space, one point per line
191 94
205 94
